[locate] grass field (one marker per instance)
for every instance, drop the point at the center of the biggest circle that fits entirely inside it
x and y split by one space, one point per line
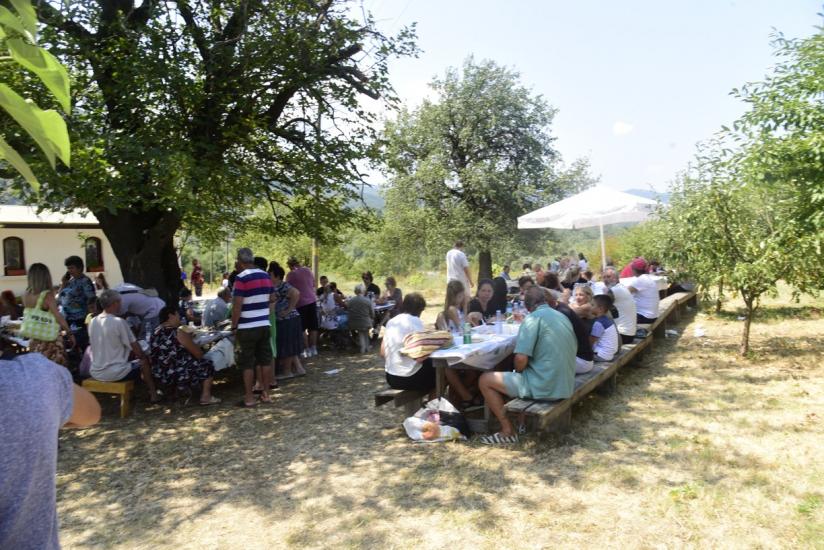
697 448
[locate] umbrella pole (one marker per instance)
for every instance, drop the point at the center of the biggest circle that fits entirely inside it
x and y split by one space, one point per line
603 248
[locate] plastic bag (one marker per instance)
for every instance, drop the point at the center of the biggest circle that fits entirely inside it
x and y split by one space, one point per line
435 422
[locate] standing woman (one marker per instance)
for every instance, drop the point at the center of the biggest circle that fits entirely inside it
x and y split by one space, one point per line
289 338
40 295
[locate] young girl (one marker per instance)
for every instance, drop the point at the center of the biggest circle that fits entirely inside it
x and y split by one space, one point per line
39 294
604 336
453 315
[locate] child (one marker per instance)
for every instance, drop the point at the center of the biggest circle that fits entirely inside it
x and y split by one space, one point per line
604 336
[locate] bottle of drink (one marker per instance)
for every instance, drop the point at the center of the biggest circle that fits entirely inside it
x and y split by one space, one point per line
499 319
467 333
509 312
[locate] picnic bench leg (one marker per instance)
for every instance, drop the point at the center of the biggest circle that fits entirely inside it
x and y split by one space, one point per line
562 424
440 377
125 404
608 386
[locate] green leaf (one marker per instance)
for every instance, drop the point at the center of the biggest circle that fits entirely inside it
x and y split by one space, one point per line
9 154
45 66
8 19
47 128
27 15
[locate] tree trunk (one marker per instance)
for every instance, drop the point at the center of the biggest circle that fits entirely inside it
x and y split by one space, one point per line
720 299
144 245
745 335
484 265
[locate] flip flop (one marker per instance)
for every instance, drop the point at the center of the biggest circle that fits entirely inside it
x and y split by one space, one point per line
498 439
212 401
243 405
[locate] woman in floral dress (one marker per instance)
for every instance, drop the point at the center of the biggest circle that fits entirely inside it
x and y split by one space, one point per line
177 360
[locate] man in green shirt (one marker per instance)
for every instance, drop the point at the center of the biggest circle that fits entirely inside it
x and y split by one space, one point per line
544 364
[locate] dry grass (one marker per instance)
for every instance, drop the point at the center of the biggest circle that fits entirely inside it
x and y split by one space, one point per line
697 448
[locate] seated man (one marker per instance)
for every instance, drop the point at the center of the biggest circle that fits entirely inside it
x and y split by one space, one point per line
544 365
604 337
112 341
644 289
623 304
583 354
361 317
217 310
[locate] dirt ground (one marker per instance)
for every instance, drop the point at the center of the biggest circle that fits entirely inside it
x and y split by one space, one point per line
696 448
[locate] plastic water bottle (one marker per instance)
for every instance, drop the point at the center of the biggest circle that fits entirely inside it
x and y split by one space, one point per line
509 312
467 333
499 327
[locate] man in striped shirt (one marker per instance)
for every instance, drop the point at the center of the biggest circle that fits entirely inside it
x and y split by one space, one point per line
252 297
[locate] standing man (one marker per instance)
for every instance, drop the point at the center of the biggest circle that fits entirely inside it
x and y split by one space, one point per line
505 273
457 268
544 364
197 278
644 289
37 397
303 279
75 292
253 299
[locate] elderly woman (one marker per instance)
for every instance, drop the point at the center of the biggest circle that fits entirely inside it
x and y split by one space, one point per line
177 360
581 302
39 295
289 341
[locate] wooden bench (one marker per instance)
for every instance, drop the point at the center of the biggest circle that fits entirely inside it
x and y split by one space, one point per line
123 389
410 400
557 415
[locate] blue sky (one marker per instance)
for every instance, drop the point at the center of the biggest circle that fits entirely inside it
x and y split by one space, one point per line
637 83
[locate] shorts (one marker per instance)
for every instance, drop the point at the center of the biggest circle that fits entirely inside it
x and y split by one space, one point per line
423 379
640 319
252 348
309 316
515 385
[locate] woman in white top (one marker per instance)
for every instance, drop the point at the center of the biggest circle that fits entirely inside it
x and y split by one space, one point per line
402 372
583 265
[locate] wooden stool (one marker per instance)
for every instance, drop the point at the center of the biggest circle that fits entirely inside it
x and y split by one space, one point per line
123 389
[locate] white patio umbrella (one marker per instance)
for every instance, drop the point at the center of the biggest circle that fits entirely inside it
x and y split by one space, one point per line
596 206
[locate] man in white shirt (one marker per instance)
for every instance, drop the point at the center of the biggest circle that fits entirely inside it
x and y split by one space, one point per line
457 266
112 341
644 289
622 301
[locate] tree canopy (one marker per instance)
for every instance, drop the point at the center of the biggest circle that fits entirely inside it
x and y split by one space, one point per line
196 112
469 162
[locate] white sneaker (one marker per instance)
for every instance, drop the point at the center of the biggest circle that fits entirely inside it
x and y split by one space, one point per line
313 351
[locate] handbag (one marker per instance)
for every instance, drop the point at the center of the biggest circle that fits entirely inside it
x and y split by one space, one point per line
38 324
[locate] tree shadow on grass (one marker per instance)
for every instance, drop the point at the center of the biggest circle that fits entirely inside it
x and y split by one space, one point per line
772 314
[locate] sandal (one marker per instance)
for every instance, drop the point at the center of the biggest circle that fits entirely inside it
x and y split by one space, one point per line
499 439
212 401
266 399
244 405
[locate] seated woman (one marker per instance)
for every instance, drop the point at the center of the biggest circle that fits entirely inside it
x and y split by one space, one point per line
8 305
453 315
372 290
177 360
402 372
392 294
463 384
482 306
581 302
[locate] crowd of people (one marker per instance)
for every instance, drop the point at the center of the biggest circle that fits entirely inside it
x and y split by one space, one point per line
573 322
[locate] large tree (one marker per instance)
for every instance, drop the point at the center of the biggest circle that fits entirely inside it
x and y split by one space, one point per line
476 157
195 112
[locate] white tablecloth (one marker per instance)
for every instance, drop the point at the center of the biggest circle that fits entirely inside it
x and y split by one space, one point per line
484 354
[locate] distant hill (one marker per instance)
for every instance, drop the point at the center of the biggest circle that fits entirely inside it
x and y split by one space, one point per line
372 198
649 194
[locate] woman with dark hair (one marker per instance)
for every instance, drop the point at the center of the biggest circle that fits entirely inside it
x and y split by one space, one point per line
289 339
100 282
8 305
552 282
500 290
482 306
177 360
394 294
367 278
402 372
